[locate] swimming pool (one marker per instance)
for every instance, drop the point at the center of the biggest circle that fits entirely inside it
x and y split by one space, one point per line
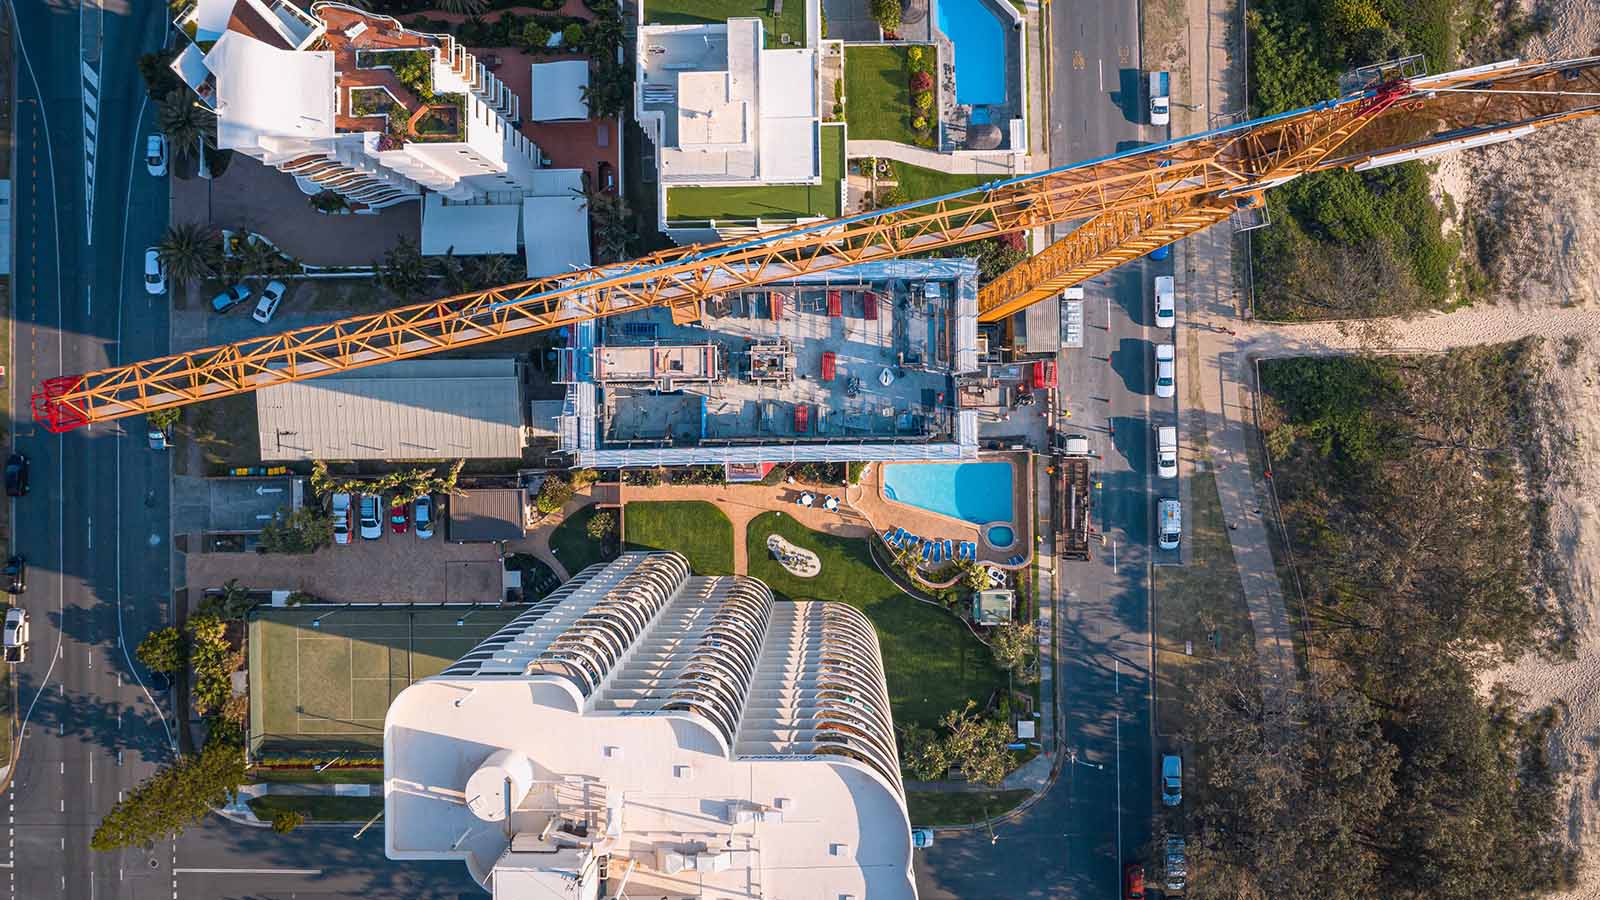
979 36
979 493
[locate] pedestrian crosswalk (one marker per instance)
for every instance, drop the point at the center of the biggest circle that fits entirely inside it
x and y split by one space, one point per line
91 127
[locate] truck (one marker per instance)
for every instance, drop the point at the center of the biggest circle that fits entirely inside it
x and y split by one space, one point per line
1177 866
1160 86
1073 496
1072 318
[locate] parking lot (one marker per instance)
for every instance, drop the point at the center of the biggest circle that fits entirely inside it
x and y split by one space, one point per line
395 568
246 505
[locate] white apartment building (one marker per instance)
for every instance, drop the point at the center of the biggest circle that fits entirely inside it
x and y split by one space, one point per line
355 103
647 731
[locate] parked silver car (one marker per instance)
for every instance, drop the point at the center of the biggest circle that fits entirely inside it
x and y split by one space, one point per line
371 516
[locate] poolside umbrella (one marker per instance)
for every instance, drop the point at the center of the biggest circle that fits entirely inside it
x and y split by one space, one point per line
807 499
831 504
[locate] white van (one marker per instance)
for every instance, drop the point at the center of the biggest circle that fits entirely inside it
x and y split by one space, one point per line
1166 302
1169 523
1167 451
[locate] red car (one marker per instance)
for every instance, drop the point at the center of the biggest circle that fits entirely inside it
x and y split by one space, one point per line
400 517
1133 882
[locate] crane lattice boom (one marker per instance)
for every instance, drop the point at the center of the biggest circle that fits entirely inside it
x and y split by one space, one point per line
1128 204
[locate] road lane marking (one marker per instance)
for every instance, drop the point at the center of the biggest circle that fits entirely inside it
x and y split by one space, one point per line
187 871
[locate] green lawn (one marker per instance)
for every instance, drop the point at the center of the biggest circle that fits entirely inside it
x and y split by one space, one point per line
784 201
318 807
932 663
920 184
878 94
694 528
572 545
960 807
311 776
689 12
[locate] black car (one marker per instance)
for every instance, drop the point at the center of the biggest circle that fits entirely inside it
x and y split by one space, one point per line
17 475
16 574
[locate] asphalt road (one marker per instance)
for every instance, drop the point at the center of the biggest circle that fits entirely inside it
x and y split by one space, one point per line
1097 818
94 525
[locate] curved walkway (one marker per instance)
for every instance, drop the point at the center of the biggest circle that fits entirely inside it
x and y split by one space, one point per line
1000 164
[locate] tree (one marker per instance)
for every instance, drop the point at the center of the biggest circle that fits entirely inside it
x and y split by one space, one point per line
213 660
887 14
403 270
923 753
163 650
553 494
162 419
572 35
232 605
612 224
492 270
461 7
1013 645
159 79
975 576
535 36
174 797
287 820
186 122
189 251
305 530
404 485
601 525
977 744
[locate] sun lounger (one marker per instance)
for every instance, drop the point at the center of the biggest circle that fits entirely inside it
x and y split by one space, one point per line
947 554
927 551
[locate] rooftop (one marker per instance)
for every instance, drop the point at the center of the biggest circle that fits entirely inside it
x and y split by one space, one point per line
414 409
725 109
694 730
840 365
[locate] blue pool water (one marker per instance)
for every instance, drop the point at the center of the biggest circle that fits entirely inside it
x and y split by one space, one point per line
979 36
979 493
1001 536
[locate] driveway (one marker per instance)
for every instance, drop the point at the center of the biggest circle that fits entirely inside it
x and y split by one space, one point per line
251 196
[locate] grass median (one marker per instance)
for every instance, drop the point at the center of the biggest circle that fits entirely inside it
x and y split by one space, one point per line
960 807
317 807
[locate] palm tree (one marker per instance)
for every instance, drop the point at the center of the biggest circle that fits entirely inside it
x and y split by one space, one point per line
403 270
460 7
453 272
186 123
491 271
189 251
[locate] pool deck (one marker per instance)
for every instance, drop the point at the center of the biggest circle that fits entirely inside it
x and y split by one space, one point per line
869 500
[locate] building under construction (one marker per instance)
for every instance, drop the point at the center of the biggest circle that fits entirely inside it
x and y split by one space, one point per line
854 364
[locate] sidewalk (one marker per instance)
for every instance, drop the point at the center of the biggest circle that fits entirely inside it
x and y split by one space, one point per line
999 164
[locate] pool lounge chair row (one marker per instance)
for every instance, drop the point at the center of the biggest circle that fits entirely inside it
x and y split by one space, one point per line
934 551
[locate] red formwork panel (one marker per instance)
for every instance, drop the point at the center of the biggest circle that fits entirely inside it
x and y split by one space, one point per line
835 305
802 418
869 307
828 361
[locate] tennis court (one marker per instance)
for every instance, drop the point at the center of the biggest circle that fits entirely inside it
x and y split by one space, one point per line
328 688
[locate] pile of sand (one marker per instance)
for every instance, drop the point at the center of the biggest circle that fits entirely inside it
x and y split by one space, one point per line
1533 199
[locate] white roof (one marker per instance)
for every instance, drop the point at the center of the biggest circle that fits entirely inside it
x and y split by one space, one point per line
470 229
416 409
265 92
211 18
555 234
788 115
557 90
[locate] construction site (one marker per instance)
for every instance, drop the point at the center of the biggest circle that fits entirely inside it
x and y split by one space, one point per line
857 363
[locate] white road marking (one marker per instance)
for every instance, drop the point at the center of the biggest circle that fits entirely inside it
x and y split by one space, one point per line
91 532
248 871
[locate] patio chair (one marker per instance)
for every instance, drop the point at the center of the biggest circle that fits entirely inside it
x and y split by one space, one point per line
888 536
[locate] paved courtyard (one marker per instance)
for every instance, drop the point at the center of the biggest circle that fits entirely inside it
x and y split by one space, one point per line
251 196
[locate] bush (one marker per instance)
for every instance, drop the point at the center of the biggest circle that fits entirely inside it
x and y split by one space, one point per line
887 14
921 81
920 123
535 36
572 36
285 821
601 525
305 530
923 101
553 494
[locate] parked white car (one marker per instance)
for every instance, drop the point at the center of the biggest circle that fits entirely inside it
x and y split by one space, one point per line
1166 371
341 518
155 154
371 509
1166 302
16 634
155 274
1167 451
268 303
